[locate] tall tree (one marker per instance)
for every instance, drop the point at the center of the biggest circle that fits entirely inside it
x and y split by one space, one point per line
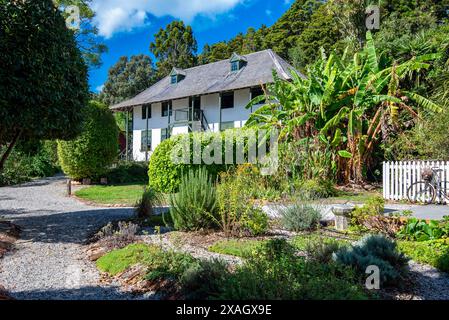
87 34
127 78
43 87
321 32
283 34
174 46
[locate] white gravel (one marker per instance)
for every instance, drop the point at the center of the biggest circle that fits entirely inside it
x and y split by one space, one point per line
47 262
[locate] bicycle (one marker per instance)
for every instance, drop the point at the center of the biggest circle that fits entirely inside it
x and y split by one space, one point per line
426 190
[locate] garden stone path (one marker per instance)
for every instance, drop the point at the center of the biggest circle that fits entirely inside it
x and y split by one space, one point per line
47 262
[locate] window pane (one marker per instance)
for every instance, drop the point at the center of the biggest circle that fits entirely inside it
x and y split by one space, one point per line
145 140
227 125
164 134
257 92
227 100
174 79
166 107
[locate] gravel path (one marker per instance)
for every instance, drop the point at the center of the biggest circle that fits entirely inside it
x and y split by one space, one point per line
47 263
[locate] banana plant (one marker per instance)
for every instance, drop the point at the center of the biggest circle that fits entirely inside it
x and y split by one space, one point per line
346 101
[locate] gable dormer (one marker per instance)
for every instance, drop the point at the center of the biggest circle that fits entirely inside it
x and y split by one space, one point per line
177 75
237 62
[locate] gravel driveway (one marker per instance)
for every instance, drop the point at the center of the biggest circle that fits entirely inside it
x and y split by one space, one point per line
47 263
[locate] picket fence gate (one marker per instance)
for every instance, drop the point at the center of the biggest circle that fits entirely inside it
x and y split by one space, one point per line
399 175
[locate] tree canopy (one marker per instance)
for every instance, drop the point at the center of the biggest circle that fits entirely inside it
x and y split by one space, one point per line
127 78
174 46
43 87
86 36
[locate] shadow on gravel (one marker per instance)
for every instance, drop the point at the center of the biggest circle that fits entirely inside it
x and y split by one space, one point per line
83 293
68 227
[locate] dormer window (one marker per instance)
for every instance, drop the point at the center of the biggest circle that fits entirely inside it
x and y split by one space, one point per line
176 75
235 66
237 62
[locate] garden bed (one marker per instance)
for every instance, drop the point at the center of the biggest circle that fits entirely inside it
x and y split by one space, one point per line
130 269
9 233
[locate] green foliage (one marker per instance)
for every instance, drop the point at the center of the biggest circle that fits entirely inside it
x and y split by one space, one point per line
90 155
420 230
342 106
322 250
202 280
24 164
238 248
374 250
165 176
177 155
174 46
44 78
86 36
427 140
321 32
118 261
301 217
161 264
274 272
373 206
237 214
315 189
194 206
168 264
128 172
117 195
270 188
145 206
433 252
127 78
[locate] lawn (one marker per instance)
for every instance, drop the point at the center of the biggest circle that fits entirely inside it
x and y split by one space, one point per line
112 195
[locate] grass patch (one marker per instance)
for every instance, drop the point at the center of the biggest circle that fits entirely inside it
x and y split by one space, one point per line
118 261
243 248
237 248
115 195
433 252
301 242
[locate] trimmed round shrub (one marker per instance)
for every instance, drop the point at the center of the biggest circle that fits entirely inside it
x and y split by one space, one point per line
90 155
165 175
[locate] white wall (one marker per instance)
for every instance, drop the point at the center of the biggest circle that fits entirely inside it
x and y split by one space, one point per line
210 107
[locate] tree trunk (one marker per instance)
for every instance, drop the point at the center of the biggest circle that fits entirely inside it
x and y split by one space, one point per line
8 151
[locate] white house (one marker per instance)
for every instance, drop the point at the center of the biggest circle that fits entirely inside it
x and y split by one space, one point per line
208 97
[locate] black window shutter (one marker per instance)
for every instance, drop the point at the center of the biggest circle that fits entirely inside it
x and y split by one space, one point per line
144 112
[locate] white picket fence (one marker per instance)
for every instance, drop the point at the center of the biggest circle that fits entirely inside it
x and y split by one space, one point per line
399 175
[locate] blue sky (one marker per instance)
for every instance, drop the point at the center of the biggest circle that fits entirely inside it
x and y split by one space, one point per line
128 26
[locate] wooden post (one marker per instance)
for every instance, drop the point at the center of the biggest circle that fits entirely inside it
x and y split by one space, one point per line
69 187
127 134
146 133
219 106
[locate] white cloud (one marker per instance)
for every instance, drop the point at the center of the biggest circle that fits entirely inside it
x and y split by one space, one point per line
114 16
99 88
287 2
268 12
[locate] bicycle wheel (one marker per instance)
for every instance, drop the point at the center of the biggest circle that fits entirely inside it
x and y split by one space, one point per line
421 192
443 191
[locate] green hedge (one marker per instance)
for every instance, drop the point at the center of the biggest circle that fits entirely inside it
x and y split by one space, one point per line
165 175
90 155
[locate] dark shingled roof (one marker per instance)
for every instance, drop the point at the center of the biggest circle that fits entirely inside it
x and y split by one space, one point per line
213 78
